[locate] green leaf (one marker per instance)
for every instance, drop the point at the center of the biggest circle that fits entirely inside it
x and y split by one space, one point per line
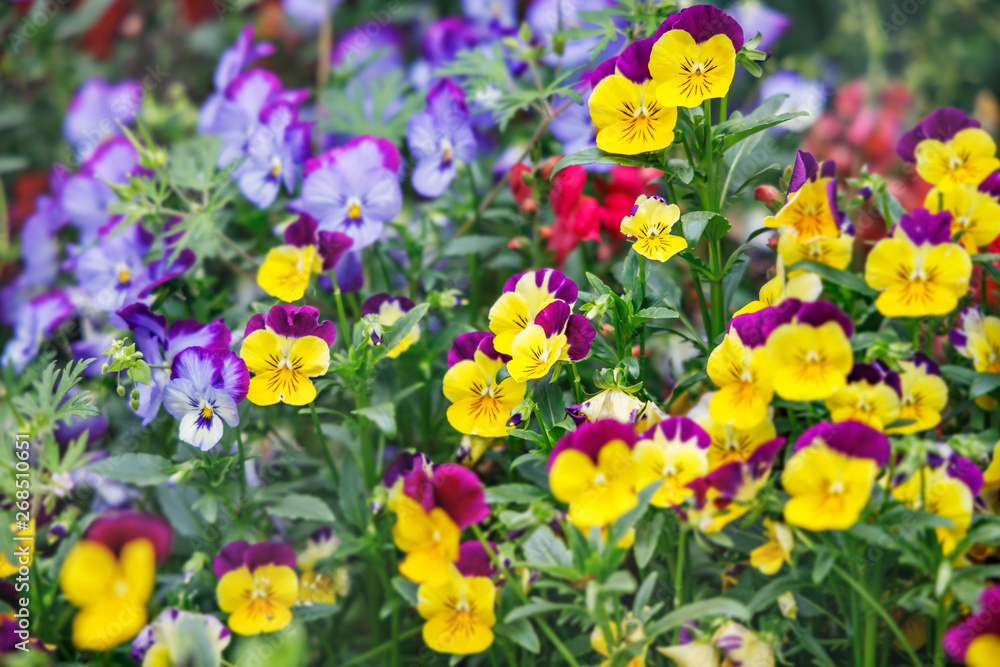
134 468
297 506
646 538
699 611
314 611
407 589
959 374
192 163
473 245
521 633
535 607
514 493
382 415
395 335
543 548
353 495
141 373
620 528
851 281
695 224
746 127
657 313
824 562
597 156
984 383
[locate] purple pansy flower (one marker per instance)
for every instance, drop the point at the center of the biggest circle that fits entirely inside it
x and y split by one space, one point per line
87 195
293 322
556 319
986 621
330 245
941 124
205 386
703 22
372 48
116 529
439 138
35 321
114 273
353 189
474 560
310 12
95 111
737 480
491 13
231 63
159 345
591 437
921 226
755 17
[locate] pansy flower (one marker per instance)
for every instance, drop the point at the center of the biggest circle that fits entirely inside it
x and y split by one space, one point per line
810 208
935 490
480 405
624 106
592 469
459 612
283 351
978 339
729 443
160 344
316 586
949 148
633 635
975 211
556 335
524 296
741 371
115 274
976 640
918 269
203 391
109 576
801 285
440 138
389 309
769 557
170 639
871 396
694 56
287 269
743 646
833 251
95 111
808 345
353 189
674 452
610 403
87 194
434 507
231 64
650 222
923 392
727 493
257 586
829 477
34 322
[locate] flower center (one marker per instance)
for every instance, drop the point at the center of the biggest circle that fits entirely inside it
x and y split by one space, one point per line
599 478
955 163
354 208
206 411
120 588
837 488
124 274
275 167
447 149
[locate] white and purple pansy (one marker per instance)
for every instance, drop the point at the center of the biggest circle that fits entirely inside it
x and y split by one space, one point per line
159 345
353 189
34 322
204 389
440 138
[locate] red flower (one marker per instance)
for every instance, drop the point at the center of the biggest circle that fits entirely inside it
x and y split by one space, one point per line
620 193
522 191
577 217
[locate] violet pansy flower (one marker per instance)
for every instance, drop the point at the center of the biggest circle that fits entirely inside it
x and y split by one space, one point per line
159 345
203 391
440 138
95 111
231 63
755 17
353 189
35 321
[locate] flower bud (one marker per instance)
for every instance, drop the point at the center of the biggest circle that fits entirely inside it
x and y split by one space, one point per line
121 391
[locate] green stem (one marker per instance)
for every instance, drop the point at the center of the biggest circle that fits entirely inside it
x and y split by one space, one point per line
243 464
560 647
322 445
878 609
341 313
642 330
703 306
577 384
365 657
367 455
717 293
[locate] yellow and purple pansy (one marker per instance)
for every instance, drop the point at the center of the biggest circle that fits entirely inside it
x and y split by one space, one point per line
975 211
919 270
480 405
871 396
650 222
949 148
624 106
524 296
976 640
923 395
284 350
432 506
835 251
167 641
110 574
694 56
287 269
593 471
459 612
728 443
801 285
389 309
829 477
204 389
674 451
739 368
810 208
257 585
555 335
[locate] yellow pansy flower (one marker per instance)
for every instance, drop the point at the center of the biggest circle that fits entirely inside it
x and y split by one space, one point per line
975 212
687 73
650 222
966 159
934 491
430 540
459 613
258 600
674 452
924 395
728 443
769 556
745 380
828 489
481 406
833 251
871 396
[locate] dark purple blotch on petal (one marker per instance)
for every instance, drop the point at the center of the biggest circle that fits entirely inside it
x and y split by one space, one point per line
116 529
848 437
268 553
679 430
703 22
475 561
941 124
580 335
590 439
818 313
230 558
633 63
553 318
287 320
967 471
403 465
922 226
465 345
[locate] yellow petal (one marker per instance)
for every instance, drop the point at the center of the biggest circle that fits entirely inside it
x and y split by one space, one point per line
106 623
310 356
138 566
687 73
233 589
261 351
88 573
286 271
508 317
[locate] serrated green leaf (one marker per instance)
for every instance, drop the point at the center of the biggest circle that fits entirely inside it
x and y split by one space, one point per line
299 506
134 468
